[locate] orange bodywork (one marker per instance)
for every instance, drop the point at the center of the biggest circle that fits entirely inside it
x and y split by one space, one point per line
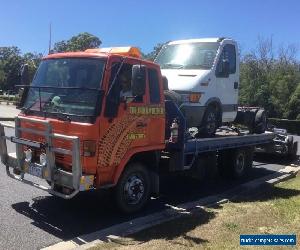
138 127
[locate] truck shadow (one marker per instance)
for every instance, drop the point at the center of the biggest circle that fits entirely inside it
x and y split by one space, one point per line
275 159
173 229
268 192
92 211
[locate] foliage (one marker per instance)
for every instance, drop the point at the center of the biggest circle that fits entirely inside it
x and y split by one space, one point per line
80 42
11 58
293 106
10 64
271 81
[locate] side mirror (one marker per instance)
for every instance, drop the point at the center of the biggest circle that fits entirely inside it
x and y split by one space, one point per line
25 75
138 82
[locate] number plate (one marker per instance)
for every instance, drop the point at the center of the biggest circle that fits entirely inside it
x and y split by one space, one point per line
36 171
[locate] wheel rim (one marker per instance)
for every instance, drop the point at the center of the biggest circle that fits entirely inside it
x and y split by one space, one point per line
240 163
134 190
211 123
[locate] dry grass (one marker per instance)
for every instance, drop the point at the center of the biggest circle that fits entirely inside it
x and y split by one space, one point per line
277 211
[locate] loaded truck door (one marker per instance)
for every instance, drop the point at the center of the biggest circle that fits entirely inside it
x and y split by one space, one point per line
227 80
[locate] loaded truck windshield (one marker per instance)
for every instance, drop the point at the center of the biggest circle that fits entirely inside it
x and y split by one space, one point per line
68 86
198 55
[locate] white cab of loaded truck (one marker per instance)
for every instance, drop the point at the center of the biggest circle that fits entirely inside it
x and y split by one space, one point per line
203 78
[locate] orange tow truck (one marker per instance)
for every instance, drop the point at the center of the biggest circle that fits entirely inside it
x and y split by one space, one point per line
100 119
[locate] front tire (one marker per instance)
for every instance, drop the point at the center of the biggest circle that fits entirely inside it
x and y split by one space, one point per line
210 122
133 189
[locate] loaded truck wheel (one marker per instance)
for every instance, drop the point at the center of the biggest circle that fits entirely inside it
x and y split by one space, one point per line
235 163
260 122
133 189
210 122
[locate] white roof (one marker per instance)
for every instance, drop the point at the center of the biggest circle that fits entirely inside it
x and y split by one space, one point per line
207 40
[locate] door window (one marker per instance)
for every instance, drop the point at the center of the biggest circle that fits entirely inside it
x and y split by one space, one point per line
229 54
153 86
123 82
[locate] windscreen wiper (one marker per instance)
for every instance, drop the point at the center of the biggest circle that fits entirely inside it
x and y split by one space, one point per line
61 116
26 109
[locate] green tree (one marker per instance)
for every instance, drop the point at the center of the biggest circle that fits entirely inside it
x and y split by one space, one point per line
80 42
10 61
269 79
60 46
2 75
293 111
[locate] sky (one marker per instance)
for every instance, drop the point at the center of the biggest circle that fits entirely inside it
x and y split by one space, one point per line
25 24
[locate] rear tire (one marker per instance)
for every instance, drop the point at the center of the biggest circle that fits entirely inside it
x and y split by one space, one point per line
235 163
260 123
133 189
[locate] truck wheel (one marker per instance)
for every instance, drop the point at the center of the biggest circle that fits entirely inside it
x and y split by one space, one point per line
210 122
260 123
133 189
235 163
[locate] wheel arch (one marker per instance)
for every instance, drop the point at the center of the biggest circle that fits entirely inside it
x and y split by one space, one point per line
216 103
151 161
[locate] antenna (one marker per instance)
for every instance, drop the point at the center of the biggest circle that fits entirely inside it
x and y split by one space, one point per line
49 39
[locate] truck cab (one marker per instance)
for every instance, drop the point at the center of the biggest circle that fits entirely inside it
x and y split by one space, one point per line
203 75
77 131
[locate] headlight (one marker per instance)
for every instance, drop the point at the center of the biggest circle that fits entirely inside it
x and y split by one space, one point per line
43 159
28 155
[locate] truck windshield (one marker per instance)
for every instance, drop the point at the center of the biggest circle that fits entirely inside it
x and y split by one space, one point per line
66 86
199 55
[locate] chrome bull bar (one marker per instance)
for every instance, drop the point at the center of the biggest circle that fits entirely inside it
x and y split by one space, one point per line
74 180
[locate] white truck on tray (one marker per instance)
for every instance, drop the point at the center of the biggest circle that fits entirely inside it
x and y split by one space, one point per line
203 78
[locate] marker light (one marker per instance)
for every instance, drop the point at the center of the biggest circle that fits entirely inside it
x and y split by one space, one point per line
125 51
28 155
43 159
195 97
